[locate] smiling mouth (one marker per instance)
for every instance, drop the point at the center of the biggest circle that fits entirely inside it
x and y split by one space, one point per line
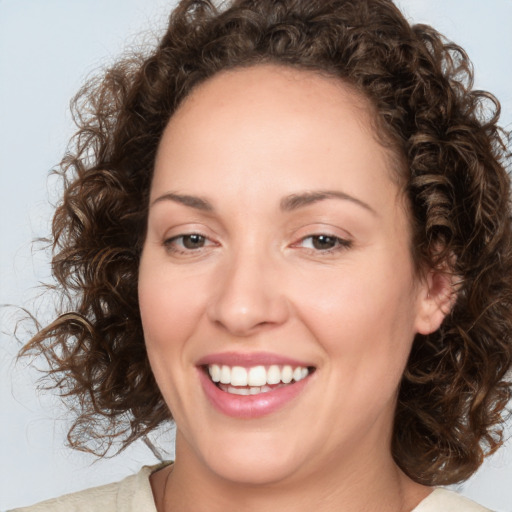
254 380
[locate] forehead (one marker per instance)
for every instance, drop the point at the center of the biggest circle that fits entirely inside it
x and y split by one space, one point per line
269 88
268 128
310 82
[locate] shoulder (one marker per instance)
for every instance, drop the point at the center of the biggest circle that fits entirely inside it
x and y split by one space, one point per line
129 495
88 500
441 500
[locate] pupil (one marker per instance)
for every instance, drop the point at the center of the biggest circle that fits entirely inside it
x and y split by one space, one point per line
193 241
323 242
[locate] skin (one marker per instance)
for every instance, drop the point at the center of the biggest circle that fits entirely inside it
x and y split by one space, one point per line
244 141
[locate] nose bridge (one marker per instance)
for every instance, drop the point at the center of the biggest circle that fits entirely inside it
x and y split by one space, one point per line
249 294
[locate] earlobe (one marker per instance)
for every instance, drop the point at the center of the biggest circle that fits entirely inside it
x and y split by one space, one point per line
438 296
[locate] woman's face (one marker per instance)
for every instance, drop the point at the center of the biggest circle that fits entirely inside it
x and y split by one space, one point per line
278 248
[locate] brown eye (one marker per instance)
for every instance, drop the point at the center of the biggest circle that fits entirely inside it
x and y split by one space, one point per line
193 241
187 243
324 242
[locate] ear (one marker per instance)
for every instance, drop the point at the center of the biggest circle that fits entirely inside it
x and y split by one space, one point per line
438 293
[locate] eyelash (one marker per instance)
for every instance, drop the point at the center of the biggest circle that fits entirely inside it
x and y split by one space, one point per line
340 244
171 245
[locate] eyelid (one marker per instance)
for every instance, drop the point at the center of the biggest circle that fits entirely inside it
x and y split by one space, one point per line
341 243
169 240
188 228
321 228
344 240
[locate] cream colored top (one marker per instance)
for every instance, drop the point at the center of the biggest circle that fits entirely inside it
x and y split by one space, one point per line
133 494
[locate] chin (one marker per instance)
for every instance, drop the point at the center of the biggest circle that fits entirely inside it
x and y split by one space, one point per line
257 470
253 459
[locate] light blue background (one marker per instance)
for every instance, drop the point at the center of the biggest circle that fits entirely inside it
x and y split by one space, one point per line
47 48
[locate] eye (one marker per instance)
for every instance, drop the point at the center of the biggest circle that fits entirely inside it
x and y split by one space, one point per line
187 243
324 243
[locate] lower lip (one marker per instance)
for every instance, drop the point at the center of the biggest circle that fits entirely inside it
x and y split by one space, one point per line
250 406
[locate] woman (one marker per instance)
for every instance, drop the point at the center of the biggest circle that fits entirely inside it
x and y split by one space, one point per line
289 229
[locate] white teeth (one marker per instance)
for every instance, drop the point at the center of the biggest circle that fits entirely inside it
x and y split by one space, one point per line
246 391
287 374
238 376
256 379
238 391
225 375
257 376
214 370
274 375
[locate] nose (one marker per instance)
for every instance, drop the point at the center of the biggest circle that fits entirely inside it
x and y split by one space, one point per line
249 296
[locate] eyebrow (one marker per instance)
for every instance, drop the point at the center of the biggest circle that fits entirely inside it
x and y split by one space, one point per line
199 203
295 201
287 204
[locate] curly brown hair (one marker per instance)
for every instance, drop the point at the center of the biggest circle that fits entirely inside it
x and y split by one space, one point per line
454 390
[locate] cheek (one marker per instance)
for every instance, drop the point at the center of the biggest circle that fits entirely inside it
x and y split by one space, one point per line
168 313
364 315
168 307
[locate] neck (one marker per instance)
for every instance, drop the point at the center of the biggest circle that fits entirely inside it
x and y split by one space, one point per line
364 482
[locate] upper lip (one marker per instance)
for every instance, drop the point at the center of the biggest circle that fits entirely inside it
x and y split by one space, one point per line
250 359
